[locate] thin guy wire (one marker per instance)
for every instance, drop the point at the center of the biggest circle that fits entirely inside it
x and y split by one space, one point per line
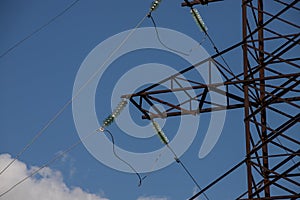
222 57
121 159
186 170
217 50
154 164
166 142
73 97
217 180
48 163
39 29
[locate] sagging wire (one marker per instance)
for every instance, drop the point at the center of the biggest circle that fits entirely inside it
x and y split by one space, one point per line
161 42
153 7
121 159
107 122
171 49
164 139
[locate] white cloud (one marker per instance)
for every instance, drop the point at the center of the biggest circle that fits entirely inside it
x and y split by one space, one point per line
152 198
48 185
69 162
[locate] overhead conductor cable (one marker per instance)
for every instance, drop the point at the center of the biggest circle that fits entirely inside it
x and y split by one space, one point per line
64 107
199 21
39 28
165 141
107 122
47 164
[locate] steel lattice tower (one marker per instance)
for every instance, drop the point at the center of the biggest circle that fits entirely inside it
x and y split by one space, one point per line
267 89
271 55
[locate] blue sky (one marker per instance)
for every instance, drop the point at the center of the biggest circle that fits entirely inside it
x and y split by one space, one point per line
37 79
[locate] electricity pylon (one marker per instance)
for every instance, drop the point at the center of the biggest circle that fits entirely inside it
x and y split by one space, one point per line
267 89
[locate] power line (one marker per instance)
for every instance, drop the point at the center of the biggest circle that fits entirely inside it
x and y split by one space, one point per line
191 176
217 180
200 23
121 159
53 119
228 69
39 28
161 42
55 158
166 46
153 166
165 141
36 136
186 170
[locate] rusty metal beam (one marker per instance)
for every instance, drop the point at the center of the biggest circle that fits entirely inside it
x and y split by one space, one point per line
197 2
